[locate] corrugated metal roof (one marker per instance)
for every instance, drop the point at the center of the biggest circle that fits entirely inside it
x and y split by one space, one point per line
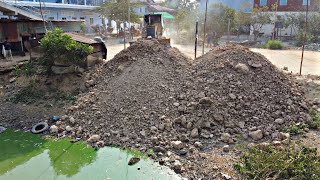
82 39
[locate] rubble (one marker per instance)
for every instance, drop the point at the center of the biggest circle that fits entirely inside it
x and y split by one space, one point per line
151 95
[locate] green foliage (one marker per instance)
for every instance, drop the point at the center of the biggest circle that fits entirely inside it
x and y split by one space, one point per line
29 94
289 162
59 46
274 44
32 94
315 123
27 69
299 128
117 10
83 27
219 16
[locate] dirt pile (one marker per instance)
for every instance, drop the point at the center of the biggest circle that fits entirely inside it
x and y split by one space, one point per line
151 97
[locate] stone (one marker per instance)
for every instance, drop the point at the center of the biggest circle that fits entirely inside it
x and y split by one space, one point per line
133 161
63 69
53 129
241 124
2 129
198 144
159 149
254 64
226 137
182 152
279 121
11 80
226 148
72 120
256 135
68 128
94 138
225 176
161 127
194 133
284 136
276 143
177 145
143 133
242 68
177 166
205 100
176 104
232 96
153 128
189 125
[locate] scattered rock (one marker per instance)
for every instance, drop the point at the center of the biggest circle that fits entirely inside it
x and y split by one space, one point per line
205 100
279 121
256 135
11 80
194 133
242 68
69 129
284 136
226 148
177 144
94 138
133 161
198 145
53 129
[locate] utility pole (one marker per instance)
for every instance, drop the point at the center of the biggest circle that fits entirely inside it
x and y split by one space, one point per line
196 42
204 27
129 19
305 37
275 20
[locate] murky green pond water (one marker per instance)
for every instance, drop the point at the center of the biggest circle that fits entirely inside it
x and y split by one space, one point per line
31 157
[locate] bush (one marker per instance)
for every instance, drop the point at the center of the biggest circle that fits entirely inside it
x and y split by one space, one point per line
289 162
27 69
59 46
274 44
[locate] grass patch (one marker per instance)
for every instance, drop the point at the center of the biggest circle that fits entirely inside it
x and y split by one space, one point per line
299 128
274 44
290 162
28 95
27 69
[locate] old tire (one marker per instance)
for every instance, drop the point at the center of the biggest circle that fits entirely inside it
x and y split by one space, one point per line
40 127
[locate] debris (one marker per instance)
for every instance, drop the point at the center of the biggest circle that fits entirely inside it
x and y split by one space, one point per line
54 129
56 118
40 127
133 161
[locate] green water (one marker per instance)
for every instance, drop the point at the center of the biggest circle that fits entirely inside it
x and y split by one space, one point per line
31 157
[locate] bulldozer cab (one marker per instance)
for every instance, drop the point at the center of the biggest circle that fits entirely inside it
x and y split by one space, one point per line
154 25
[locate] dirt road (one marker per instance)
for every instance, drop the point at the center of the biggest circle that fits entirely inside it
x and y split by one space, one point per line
292 59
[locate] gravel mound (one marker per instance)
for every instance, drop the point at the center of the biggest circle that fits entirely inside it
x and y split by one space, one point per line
151 97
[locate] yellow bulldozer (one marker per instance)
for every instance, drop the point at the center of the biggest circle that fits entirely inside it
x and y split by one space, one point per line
154 28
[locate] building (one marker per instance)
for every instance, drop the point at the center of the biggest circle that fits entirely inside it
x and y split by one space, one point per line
284 8
53 10
289 5
239 5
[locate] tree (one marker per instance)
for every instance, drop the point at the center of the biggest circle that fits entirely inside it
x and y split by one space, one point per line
259 17
57 46
181 4
117 10
219 17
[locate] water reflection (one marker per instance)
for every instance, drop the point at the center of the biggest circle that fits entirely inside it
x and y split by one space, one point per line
27 156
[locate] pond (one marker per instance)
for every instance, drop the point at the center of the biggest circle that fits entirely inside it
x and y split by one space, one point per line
27 156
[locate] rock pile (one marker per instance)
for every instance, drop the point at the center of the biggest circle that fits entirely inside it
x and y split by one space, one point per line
149 96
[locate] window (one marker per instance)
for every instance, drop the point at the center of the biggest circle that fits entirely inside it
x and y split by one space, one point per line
51 18
74 18
82 18
64 18
91 21
283 2
305 2
263 2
